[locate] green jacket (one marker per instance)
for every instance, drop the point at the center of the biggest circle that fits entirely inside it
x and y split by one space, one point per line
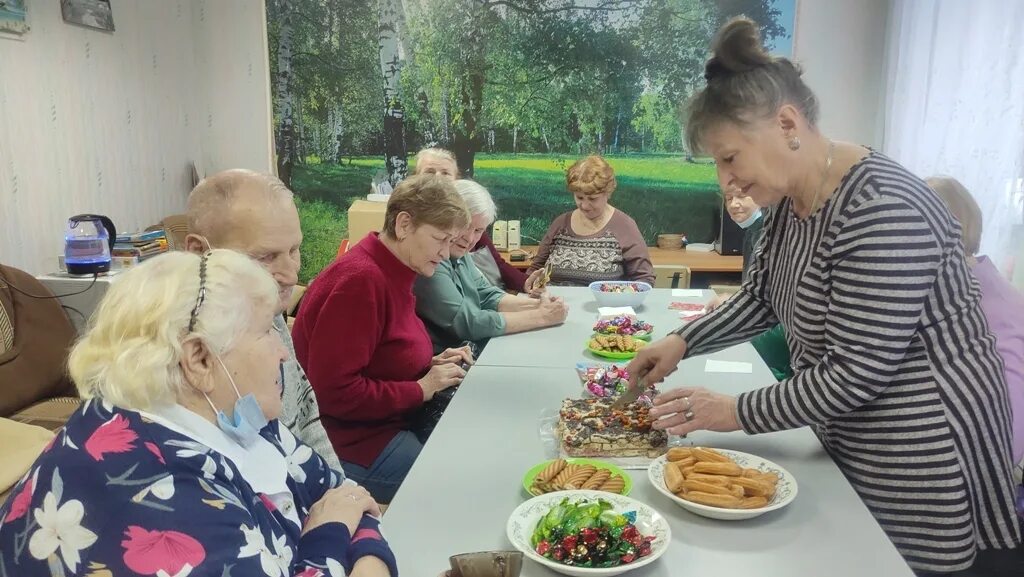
771 344
458 304
751 237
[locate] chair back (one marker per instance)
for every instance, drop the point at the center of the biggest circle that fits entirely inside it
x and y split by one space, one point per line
671 276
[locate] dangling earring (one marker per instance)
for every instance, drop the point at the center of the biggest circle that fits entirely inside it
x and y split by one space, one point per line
794 143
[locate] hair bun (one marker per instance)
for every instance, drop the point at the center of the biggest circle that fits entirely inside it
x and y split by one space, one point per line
737 48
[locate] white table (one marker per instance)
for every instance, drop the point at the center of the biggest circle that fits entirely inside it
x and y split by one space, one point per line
467 481
563 346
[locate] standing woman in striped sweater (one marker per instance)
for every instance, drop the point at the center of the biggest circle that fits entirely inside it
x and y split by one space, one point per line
896 368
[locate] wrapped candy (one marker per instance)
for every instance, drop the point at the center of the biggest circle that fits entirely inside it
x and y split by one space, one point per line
623 325
590 534
611 381
628 287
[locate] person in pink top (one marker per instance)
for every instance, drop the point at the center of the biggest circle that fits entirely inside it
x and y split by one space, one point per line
1002 303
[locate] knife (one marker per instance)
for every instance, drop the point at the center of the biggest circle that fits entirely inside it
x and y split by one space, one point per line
631 394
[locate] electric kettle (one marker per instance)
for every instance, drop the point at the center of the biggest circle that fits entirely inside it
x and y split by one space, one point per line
88 241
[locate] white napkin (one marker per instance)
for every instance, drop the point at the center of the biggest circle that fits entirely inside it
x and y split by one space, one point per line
714 366
612 312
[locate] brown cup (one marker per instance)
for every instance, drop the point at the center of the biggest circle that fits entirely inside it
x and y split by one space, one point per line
487 564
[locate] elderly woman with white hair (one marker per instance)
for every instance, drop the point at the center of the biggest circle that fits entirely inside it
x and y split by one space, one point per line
458 304
175 464
484 254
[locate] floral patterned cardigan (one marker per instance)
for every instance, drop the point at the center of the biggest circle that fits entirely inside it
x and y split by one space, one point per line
116 494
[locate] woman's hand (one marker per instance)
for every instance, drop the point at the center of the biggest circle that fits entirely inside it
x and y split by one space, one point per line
687 409
657 360
531 286
440 378
716 302
345 504
454 356
553 310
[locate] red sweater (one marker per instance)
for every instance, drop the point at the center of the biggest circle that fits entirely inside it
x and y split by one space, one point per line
363 348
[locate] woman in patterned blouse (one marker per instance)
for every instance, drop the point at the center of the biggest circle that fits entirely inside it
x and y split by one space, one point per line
175 464
895 366
596 241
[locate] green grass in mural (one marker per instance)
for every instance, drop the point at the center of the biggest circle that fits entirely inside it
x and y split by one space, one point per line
323 226
324 192
663 194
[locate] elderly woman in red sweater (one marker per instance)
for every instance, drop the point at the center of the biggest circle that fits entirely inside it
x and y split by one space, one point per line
367 354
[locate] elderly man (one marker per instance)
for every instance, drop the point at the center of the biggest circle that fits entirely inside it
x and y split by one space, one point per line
254 214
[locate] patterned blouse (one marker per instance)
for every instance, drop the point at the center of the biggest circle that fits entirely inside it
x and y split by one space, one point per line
616 252
117 493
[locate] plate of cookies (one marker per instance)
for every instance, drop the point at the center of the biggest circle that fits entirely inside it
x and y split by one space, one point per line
615 346
722 484
573 474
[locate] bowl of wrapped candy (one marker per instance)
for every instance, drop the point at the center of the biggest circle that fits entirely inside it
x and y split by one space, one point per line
588 533
620 293
625 326
609 381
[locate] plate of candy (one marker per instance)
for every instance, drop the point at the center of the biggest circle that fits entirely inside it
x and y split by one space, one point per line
608 381
588 533
626 326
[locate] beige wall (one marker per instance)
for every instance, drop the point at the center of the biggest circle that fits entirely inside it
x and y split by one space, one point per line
841 45
92 121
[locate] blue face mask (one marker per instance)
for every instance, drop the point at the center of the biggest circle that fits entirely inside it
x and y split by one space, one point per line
751 219
248 418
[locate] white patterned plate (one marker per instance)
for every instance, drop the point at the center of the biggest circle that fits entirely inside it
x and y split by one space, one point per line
785 491
648 521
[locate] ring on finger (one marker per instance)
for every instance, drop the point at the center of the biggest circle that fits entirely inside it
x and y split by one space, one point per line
688 415
688 405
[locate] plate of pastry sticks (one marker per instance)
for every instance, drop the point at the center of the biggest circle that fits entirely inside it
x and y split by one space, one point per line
722 484
572 474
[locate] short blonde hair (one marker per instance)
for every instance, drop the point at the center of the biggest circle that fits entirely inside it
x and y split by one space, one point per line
428 199
591 176
962 206
438 153
209 203
131 352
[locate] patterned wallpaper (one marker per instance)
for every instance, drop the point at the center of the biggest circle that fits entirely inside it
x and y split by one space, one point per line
102 122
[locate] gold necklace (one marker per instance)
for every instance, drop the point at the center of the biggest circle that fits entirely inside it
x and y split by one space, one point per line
824 177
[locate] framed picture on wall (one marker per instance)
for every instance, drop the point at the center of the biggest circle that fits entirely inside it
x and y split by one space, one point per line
91 13
12 17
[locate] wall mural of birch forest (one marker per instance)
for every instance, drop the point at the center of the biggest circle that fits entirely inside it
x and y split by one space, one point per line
517 89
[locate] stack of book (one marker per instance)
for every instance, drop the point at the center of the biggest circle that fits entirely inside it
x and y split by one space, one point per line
131 249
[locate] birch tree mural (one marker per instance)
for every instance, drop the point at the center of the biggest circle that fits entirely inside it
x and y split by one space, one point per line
392 16
284 102
517 89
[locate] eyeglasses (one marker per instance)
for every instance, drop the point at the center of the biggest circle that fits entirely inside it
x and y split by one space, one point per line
202 293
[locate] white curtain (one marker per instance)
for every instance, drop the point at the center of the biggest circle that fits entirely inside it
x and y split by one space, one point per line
955 105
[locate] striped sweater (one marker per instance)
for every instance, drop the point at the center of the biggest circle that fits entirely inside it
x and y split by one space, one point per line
895 366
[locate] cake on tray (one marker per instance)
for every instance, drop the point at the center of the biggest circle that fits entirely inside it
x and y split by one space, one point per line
591 428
